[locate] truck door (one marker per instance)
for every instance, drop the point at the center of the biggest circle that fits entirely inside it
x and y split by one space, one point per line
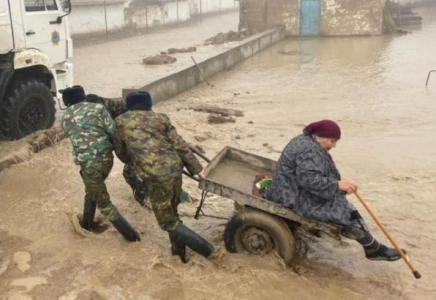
41 29
6 42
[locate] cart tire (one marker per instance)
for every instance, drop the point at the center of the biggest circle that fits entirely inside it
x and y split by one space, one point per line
257 232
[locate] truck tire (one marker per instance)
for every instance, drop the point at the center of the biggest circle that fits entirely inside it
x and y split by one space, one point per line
28 106
259 233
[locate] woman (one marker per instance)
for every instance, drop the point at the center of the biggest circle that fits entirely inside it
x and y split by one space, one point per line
307 181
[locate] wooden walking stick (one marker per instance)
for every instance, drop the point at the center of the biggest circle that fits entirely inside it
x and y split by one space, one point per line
385 231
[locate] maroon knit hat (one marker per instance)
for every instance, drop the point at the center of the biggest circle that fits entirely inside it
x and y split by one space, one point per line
324 128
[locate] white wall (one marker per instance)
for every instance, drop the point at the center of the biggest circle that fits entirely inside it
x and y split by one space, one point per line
158 15
91 18
209 6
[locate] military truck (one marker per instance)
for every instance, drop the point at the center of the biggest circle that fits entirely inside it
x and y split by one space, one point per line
35 48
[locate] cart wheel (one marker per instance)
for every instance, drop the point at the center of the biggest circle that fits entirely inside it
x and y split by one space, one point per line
259 233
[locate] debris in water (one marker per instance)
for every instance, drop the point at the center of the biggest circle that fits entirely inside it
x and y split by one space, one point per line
161 59
43 139
401 178
293 52
198 147
181 50
212 119
200 138
230 36
224 112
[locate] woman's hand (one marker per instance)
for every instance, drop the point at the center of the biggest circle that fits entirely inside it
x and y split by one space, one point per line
348 186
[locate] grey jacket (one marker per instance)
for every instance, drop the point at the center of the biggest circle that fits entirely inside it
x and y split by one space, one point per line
306 180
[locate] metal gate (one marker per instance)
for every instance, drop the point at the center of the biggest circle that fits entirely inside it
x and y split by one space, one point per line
310 16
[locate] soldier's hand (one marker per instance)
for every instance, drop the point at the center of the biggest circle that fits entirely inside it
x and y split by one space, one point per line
201 174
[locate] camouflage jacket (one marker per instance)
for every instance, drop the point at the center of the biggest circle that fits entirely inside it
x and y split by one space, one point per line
89 127
153 145
115 107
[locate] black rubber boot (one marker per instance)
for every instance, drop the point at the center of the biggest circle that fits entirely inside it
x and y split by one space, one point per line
183 236
140 193
178 248
184 197
89 208
377 251
125 229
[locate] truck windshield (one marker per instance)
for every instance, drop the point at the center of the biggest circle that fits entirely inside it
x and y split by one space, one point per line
34 5
51 5
40 5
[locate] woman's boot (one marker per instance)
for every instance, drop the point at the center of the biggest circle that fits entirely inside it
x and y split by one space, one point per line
376 251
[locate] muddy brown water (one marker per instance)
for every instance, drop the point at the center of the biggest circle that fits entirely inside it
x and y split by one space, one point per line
373 86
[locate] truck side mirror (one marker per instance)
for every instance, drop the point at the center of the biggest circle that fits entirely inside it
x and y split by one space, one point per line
59 19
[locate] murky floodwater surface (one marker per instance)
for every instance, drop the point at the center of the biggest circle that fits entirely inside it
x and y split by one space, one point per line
373 86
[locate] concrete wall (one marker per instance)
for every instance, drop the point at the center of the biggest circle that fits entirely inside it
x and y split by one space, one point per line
258 15
91 18
210 6
287 13
338 17
88 15
158 15
351 17
185 79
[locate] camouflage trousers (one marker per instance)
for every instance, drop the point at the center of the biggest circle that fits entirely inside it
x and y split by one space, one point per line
164 198
94 174
131 177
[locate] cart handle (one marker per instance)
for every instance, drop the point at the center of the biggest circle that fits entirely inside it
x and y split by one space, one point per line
190 176
195 150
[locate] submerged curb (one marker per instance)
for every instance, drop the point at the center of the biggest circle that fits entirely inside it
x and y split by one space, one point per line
173 84
33 144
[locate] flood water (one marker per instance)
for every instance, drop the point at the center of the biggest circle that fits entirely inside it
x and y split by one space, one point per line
374 87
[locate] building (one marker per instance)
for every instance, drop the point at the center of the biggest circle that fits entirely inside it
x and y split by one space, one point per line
152 13
314 17
94 16
98 16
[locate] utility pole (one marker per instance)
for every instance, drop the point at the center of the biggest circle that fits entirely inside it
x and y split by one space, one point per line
105 20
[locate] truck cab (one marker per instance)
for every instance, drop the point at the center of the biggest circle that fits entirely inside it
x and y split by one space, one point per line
35 48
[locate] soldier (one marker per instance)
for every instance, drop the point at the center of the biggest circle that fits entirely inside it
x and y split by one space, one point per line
115 108
89 127
159 154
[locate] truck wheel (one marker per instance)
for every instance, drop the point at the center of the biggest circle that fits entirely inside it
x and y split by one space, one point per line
259 233
29 106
